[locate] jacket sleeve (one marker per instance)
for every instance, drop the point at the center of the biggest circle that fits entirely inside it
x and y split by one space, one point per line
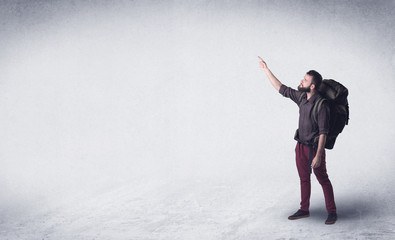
323 119
291 93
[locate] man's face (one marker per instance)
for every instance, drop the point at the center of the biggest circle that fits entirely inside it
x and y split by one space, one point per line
305 83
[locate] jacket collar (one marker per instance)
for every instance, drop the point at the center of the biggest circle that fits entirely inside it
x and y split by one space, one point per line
312 98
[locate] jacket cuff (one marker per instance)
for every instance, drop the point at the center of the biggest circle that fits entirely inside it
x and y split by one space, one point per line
323 132
282 89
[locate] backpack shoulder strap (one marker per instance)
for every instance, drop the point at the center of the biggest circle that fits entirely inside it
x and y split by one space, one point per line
317 108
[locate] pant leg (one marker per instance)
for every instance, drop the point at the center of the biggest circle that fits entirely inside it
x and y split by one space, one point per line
302 164
323 179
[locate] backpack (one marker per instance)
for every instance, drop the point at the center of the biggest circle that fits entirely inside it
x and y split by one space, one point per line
336 96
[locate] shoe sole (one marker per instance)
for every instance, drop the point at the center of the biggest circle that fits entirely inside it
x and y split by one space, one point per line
330 223
295 218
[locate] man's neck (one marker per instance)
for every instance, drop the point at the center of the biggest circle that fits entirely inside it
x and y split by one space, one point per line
310 94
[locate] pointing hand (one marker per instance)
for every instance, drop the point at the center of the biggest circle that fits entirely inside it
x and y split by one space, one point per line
262 63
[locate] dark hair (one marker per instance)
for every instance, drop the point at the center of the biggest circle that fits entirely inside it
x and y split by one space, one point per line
317 78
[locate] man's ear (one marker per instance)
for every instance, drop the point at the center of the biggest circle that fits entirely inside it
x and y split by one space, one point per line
312 86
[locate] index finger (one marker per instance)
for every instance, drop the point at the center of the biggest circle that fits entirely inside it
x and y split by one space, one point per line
260 58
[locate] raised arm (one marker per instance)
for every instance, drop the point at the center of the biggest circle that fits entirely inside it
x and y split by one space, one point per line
273 80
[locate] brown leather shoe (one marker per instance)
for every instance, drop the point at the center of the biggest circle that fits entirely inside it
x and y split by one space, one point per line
299 214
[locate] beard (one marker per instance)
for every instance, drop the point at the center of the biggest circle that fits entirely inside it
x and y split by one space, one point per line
304 89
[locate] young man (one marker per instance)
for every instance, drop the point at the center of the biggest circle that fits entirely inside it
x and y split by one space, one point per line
311 137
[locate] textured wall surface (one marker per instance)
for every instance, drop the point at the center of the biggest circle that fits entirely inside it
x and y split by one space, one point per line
152 119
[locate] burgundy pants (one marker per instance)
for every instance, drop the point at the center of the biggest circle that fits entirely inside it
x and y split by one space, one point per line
302 163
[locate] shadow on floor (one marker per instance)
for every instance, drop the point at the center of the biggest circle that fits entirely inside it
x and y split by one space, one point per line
350 209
